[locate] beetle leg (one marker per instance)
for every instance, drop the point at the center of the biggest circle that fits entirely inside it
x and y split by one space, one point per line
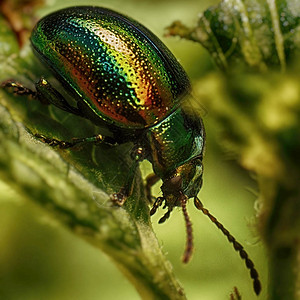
166 215
97 139
156 205
150 181
18 88
126 191
47 94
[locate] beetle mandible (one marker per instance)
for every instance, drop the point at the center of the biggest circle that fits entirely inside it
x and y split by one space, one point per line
126 81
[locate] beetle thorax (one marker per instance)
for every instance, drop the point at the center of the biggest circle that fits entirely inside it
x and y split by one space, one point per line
175 142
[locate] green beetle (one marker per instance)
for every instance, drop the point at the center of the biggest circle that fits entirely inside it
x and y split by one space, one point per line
126 81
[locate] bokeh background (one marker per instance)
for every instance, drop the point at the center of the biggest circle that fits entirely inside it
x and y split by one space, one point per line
40 259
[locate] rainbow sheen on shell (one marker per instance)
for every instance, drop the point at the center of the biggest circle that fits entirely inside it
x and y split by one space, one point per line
121 70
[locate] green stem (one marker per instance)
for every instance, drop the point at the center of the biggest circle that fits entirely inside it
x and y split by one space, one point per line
281 236
283 268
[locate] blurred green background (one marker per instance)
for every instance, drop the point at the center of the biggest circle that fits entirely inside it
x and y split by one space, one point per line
39 259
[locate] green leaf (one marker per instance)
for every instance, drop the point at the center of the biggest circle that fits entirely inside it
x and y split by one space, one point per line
255 34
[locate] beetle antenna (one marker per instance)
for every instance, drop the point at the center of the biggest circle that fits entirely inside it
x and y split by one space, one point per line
189 232
236 245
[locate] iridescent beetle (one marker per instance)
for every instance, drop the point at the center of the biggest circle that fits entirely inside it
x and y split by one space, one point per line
127 82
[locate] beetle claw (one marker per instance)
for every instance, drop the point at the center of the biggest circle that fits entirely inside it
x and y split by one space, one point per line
153 210
156 205
165 216
118 198
17 88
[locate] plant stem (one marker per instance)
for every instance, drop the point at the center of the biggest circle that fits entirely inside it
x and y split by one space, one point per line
281 236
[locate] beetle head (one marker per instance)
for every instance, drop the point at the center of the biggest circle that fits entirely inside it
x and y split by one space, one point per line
186 180
184 183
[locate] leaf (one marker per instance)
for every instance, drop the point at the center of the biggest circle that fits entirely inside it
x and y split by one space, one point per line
74 186
256 34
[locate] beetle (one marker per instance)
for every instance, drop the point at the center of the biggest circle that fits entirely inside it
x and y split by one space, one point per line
129 84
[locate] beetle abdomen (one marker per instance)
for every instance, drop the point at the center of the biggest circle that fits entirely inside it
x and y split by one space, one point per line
115 65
